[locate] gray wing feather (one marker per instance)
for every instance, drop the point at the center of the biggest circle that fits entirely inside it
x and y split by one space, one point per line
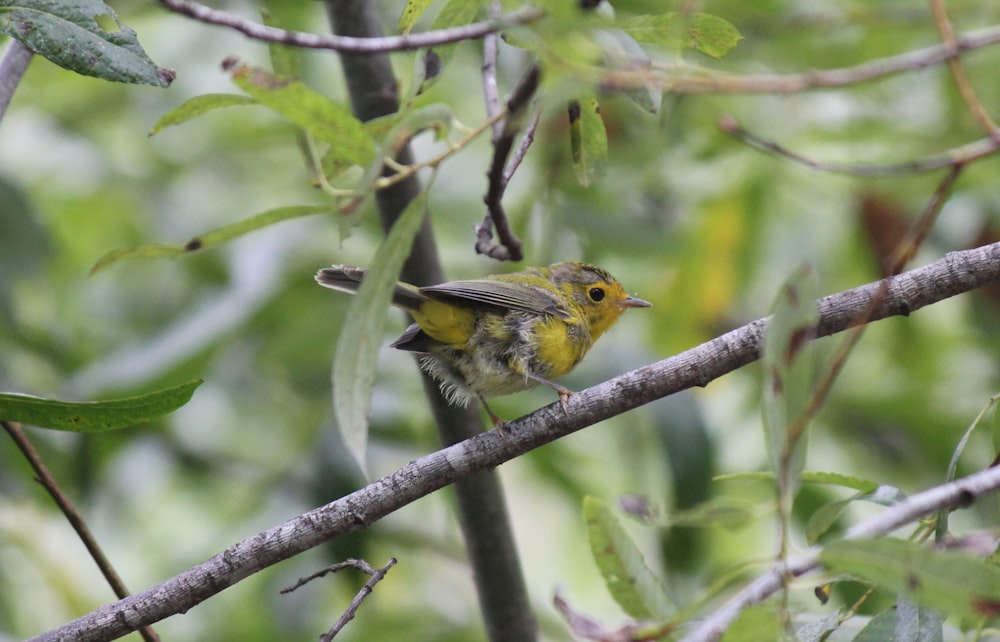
502 294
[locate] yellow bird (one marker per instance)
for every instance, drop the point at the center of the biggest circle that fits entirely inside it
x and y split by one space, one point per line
504 333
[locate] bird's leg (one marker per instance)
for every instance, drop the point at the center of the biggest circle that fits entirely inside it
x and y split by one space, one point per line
497 421
563 391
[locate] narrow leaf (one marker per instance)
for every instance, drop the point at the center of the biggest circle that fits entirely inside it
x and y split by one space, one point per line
730 513
702 32
285 60
823 518
633 586
196 107
357 347
84 36
213 238
837 479
411 13
949 581
326 120
96 416
789 377
588 140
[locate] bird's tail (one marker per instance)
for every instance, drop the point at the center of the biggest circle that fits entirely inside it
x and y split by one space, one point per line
347 278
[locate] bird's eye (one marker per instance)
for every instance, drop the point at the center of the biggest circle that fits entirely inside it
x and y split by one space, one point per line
595 294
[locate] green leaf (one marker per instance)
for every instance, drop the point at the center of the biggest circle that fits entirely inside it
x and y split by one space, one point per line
916 624
411 13
285 60
837 479
711 35
196 107
95 416
454 13
621 51
818 631
879 629
941 527
357 347
949 581
702 32
326 120
788 360
823 518
588 140
84 36
633 586
213 238
754 624
730 513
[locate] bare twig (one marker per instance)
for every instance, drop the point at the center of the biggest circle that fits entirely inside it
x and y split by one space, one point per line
348 43
377 574
682 79
491 91
956 156
961 492
956 273
958 71
509 248
49 483
522 149
12 67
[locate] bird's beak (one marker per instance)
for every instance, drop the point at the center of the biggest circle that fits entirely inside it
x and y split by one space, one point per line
635 302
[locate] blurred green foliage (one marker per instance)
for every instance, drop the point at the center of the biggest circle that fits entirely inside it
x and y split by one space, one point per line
688 218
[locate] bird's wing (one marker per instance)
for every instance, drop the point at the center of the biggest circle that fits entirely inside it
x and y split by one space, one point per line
502 294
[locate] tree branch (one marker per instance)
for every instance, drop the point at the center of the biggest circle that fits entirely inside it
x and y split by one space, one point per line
961 492
351 44
956 273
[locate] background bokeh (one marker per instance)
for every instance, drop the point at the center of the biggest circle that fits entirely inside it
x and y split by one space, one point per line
686 217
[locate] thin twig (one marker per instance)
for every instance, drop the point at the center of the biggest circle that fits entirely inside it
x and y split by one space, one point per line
955 156
684 79
377 574
48 482
348 43
509 248
956 273
958 71
355 604
526 140
491 91
358 565
12 67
